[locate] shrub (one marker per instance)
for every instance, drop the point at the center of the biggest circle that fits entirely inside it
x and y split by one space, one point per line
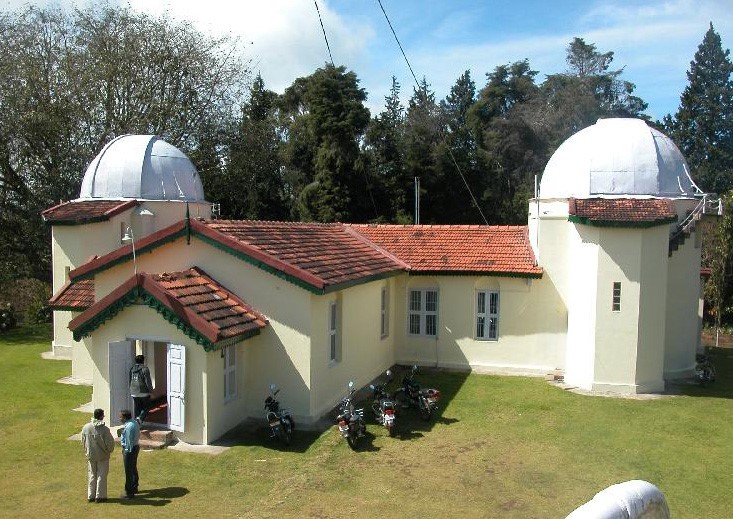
7 317
30 299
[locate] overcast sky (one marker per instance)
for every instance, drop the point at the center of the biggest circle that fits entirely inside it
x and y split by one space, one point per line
654 41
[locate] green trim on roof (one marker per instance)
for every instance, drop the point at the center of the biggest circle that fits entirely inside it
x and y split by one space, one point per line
620 223
82 221
367 279
490 273
69 308
259 264
140 293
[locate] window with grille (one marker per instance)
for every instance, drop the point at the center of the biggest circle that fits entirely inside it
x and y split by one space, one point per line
487 315
616 302
423 312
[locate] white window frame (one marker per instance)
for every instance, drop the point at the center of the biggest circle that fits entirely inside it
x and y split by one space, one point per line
486 315
334 342
229 356
420 314
616 297
384 313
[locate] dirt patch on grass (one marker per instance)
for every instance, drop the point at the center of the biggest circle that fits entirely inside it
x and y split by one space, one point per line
724 340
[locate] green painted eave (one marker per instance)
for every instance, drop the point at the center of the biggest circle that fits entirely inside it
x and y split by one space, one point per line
620 223
139 294
498 274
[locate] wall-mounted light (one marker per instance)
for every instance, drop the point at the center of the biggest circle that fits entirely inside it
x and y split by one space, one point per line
129 237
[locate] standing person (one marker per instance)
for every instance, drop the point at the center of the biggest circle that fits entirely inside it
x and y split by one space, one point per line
140 387
98 444
130 440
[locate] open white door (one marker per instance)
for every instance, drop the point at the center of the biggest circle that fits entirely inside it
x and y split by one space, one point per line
121 358
176 386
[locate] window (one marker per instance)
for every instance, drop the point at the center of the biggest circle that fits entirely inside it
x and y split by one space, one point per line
616 304
384 314
333 332
487 315
230 372
423 312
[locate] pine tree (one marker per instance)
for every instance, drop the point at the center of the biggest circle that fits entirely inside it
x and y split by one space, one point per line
703 125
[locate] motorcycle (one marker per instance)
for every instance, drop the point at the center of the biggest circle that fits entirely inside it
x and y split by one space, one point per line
350 421
382 405
411 395
280 421
704 369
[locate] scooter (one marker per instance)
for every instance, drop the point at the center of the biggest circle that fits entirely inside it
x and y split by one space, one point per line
382 405
279 419
350 421
704 369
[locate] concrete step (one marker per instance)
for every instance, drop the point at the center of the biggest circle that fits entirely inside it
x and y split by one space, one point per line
154 438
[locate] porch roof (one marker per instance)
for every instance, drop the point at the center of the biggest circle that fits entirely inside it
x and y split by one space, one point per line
75 296
191 300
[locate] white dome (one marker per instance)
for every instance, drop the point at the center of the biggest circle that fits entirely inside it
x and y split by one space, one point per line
617 157
142 167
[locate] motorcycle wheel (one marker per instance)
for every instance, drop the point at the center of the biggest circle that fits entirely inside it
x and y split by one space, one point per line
400 399
351 440
425 411
292 423
285 435
390 431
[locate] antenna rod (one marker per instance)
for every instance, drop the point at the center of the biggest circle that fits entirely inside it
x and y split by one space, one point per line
417 200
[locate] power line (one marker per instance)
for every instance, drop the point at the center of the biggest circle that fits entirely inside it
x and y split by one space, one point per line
450 152
324 31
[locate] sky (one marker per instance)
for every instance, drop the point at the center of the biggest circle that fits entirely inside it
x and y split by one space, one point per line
653 41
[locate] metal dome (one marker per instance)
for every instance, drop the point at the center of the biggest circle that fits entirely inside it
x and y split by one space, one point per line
617 157
143 167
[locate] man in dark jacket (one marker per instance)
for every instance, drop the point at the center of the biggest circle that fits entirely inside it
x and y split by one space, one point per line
140 387
98 444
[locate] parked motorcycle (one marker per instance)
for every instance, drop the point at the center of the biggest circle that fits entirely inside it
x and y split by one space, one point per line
411 395
350 421
280 420
382 405
704 369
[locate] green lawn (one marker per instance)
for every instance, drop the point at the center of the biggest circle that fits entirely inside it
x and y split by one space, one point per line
500 447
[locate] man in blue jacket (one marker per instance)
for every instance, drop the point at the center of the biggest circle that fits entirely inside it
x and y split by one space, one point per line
130 440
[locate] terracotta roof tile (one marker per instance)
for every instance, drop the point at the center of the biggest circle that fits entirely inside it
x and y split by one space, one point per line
77 295
631 211
457 248
85 211
214 313
324 255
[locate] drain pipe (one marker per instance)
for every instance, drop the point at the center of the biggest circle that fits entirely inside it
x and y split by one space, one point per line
635 499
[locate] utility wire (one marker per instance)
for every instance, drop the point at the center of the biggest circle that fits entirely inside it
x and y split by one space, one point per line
450 152
324 31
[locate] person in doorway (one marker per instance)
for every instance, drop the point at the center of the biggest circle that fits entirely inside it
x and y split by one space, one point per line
140 388
98 444
130 440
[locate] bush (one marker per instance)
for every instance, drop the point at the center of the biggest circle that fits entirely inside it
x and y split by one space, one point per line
7 317
30 299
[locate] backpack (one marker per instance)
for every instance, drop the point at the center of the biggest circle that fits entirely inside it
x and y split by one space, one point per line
137 380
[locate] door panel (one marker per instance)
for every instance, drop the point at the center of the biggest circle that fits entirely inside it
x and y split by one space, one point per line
121 358
176 386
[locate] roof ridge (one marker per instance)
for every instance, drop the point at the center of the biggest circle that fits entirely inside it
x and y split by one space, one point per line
356 234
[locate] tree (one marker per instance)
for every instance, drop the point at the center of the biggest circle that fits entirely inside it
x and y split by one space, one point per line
703 125
254 164
587 91
72 82
324 119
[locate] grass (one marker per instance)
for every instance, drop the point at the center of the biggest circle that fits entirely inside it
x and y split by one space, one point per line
500 447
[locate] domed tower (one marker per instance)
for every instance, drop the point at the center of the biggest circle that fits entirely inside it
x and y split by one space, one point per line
613 227
135 186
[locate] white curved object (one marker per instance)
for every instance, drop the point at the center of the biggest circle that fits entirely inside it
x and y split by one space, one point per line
635 499
142 167
617 157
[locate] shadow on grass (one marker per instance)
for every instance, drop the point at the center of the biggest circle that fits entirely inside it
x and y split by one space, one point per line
252 434
722 359
154 497
28 334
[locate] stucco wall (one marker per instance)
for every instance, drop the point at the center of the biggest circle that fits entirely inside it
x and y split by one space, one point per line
531 333
682 331
364 353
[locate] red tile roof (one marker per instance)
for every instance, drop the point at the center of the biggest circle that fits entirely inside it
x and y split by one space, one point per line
488 249
85 211
622 211
191 299
325 256
74 296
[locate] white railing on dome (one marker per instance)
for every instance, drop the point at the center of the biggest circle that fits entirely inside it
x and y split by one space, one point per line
706 205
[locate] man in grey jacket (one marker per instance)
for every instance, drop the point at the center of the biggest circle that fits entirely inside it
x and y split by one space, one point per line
98 444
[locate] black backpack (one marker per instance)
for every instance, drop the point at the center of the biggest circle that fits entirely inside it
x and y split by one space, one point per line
137 380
